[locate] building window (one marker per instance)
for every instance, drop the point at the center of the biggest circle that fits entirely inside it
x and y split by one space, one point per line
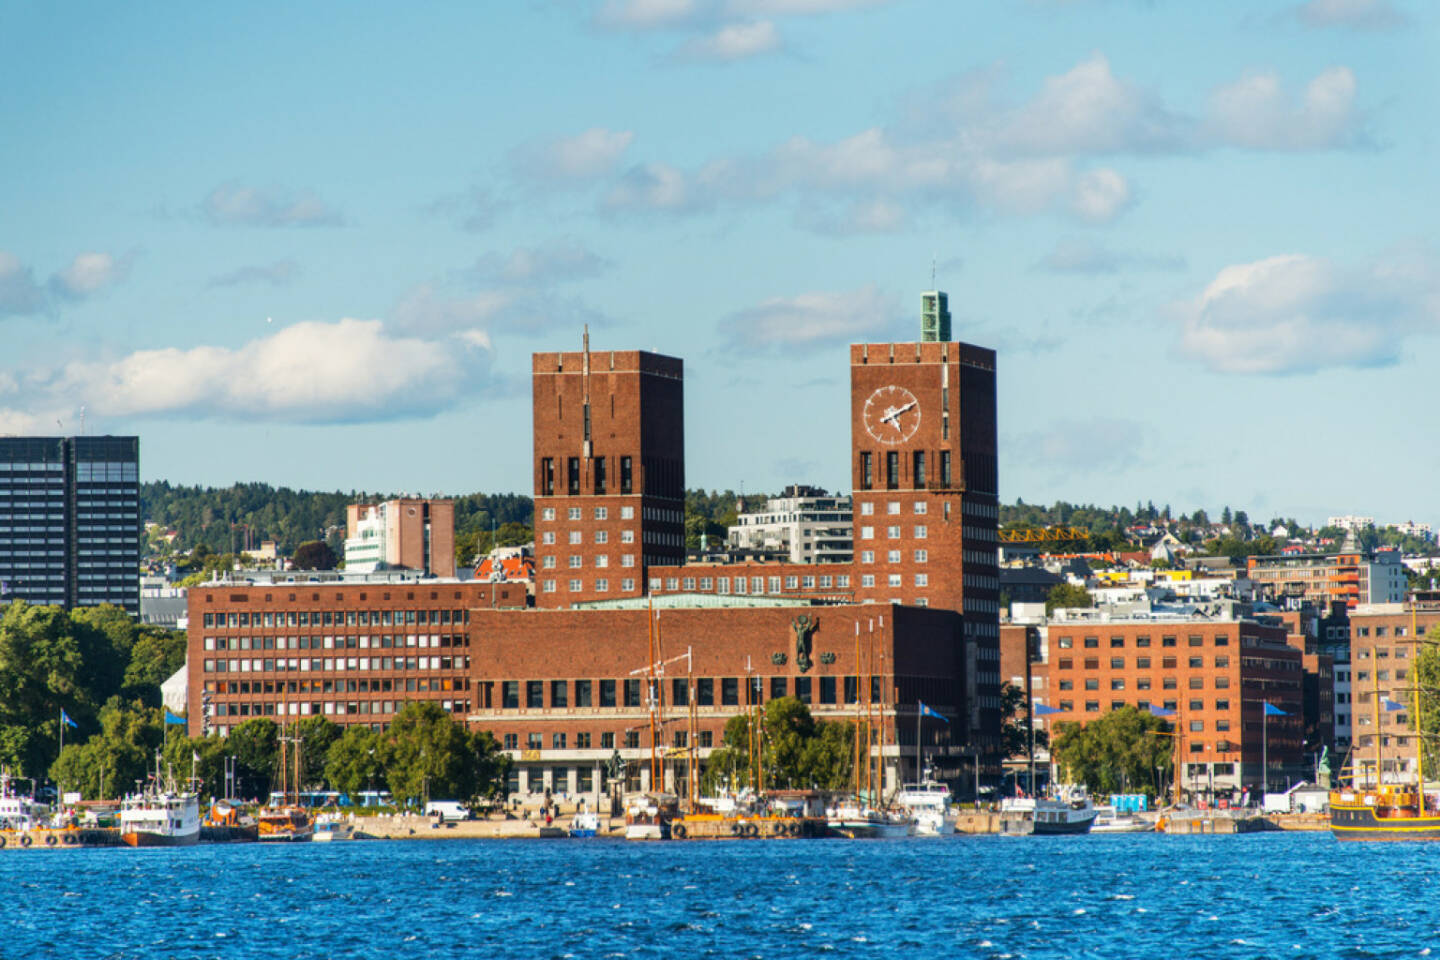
922 580
602 585
582 693
627 513
510 695
607 741
535 694
573 513
626 475
705 691
945 468
576 586
921 506
576 561
557 741
867 579
547 537
892 469
607 693
827 689
867 533
893 508
729 691
559 693
602 536
867 478
918 469
511 741
921 532
632 692
867 509
895 580
893 533
921 556
893 556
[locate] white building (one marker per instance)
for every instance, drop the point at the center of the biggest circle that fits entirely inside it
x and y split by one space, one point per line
1412 529
806 522
1352 524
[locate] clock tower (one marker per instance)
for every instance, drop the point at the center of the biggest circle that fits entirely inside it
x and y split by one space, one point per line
924 476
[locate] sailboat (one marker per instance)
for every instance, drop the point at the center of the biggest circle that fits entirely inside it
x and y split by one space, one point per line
161 813
1386 811
288 820
859 817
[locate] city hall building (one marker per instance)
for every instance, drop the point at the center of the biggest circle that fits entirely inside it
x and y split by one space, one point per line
569 681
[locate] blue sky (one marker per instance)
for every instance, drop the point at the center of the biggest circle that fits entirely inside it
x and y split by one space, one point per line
317 246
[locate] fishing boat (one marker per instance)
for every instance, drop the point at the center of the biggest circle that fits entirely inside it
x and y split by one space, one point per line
161 813
928 803
1048 816
18 813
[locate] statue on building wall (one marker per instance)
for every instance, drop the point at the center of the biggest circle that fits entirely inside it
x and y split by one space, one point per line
804 627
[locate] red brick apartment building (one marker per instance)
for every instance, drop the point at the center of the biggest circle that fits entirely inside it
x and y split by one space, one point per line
1215 675
354 652
1383 648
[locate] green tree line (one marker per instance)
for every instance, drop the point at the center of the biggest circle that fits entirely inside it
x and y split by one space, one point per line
796 750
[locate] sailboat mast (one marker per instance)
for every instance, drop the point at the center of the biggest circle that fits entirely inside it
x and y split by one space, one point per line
650 683
1375 708
1419 728
858 676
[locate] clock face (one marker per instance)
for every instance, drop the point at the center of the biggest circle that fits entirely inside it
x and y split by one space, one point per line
892 414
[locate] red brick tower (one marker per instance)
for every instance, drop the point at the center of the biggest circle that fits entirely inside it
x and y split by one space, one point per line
609 472
923 443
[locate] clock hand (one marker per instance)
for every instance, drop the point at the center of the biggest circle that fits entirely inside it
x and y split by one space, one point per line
892 414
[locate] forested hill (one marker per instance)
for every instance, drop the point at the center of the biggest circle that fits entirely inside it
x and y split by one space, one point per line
218 516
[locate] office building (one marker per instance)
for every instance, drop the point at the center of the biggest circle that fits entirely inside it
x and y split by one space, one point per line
70 521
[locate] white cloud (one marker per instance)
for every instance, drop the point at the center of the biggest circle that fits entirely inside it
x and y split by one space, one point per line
651 186
1358 14
1297 314
547 263
1089 110
89 274
233 204
646 14
19 293
313 372
586 156
735 41
811 320
1255 113
276 274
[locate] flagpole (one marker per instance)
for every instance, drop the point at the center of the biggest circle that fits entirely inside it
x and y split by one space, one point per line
919 719
1264 752
62 731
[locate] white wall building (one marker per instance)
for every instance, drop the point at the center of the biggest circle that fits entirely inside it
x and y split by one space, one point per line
808 523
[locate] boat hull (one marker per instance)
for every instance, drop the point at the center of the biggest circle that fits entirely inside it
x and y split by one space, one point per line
286 836
866 830
647 831
1359 822
145 838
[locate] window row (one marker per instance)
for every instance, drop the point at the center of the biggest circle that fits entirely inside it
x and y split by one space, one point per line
1221 661
333 664
638 692
336 618
1117 642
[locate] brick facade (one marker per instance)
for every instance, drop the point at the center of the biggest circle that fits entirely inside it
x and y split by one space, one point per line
1216 676
351 652
609 432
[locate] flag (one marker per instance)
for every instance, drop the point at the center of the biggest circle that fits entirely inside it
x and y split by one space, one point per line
65 719
1161 711
1273 711
171 718
1043 711
1390 705
195 755
927 712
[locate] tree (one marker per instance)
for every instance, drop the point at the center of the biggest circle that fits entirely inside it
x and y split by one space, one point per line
155 656
797 751
1426 689
256 752
1120 751
109 763
313 555
425 754
316 735
1015 728
1065 595
353 763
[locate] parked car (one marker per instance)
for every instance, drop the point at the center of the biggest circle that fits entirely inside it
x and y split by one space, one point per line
447 810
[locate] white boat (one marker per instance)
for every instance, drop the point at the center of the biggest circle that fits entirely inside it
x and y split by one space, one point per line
18 813
1107 820
584 824
928 803
162 814
1047 816
331 826
857 821
648 817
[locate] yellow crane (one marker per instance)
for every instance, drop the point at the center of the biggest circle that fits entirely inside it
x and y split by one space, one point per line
1043 534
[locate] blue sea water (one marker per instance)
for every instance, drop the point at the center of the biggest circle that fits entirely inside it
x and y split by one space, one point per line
1249 896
